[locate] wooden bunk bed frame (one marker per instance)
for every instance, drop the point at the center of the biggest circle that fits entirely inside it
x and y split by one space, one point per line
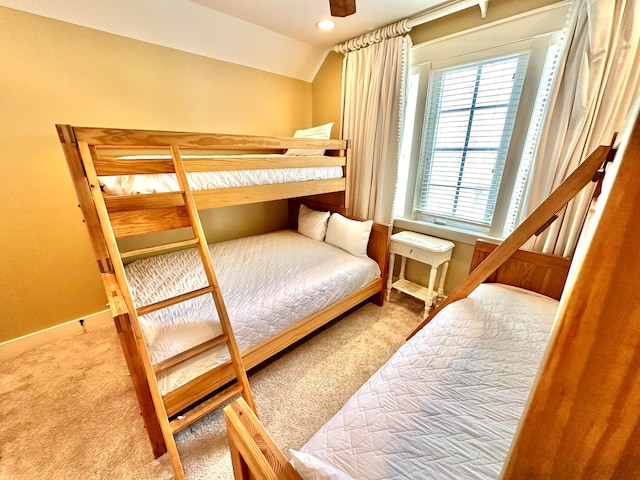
582 419
99 149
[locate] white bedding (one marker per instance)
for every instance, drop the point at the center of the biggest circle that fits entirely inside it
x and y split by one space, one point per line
268 283
166 182
446 405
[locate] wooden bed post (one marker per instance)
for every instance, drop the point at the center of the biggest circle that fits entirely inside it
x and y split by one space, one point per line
74 163
254 455
378 249
121 316
583 417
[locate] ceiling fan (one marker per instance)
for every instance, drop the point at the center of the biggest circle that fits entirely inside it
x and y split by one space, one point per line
342 8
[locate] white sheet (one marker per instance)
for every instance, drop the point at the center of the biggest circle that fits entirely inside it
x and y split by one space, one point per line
446 405
268 283
167 182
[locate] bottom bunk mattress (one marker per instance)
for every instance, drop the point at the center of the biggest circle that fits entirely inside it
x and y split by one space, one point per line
268 282
446 405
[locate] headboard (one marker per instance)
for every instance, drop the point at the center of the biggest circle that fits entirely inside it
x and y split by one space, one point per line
378 247
538 272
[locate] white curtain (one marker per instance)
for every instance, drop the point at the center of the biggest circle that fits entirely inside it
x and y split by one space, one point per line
598 80
373 99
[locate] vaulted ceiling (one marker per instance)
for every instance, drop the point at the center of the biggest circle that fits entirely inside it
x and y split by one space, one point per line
297 18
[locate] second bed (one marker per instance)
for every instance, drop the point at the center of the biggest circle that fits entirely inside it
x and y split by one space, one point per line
448 402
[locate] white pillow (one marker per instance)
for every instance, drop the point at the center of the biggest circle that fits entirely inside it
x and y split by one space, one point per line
322 132
312 468
349 235
312 223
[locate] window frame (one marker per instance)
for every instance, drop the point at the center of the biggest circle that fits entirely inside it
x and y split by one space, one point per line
531 32
427 143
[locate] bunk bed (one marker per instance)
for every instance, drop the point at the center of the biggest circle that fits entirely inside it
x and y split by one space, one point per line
502 381
139 182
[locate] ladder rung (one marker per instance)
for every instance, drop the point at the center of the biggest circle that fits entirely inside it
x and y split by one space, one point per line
205 407
173 300
159 248
190 353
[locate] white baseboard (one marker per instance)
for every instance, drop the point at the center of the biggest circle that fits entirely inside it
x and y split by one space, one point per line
18 345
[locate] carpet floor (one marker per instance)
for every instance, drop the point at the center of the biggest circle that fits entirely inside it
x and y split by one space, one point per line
68 410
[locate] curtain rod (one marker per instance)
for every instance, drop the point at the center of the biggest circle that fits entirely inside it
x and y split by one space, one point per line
404 26
447 9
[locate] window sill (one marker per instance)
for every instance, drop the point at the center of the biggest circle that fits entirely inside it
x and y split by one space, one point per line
447 233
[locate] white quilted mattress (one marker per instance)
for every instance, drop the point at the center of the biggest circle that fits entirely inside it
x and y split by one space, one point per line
268 282
446 405
167 182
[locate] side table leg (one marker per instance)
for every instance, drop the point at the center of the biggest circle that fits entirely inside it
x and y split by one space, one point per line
432 281
443 275
403 264
392 259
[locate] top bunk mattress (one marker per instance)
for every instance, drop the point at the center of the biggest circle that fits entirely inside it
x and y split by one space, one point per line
446 405
167 182
268 282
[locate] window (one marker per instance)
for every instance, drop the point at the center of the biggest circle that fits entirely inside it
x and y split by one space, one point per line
469 119
475 102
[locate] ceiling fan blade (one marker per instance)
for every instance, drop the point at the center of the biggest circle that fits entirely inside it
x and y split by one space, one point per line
342 8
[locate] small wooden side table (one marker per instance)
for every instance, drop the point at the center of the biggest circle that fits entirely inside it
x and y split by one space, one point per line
425 249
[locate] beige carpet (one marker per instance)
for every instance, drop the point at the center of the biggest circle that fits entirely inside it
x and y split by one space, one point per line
68 410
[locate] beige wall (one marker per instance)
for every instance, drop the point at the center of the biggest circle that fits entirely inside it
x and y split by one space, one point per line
54 72
327 91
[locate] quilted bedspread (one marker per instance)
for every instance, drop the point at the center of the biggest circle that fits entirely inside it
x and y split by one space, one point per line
167 182
446 405
268 283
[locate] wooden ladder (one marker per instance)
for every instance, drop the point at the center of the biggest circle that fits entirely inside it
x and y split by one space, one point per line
169 428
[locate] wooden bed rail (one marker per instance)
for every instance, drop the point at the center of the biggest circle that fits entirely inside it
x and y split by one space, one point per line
159 164
582 176
134 152
125 138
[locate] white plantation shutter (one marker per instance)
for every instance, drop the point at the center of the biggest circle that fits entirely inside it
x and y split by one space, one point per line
469 118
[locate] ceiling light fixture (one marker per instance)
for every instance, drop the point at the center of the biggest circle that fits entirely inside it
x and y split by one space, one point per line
325 25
